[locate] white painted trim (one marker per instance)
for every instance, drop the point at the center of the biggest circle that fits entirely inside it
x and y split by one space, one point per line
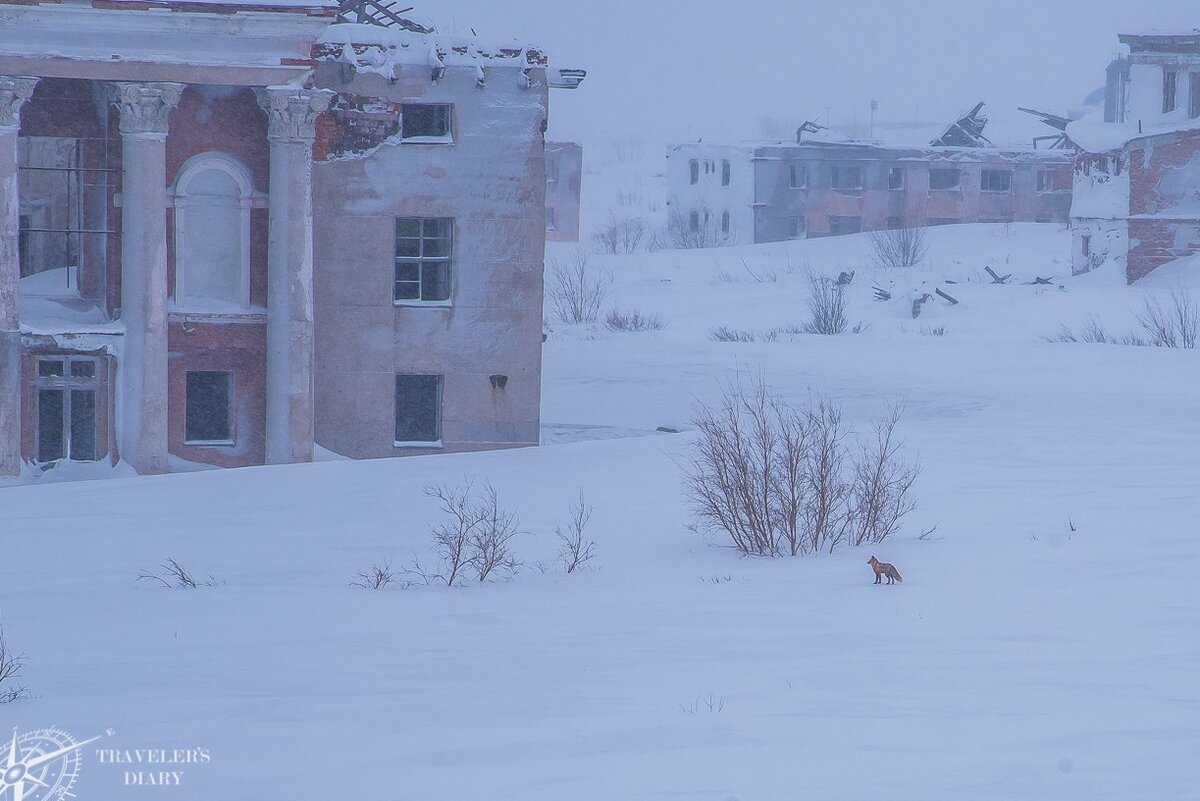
436 444
248 199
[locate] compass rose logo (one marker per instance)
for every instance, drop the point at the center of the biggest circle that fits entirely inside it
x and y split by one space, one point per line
41 765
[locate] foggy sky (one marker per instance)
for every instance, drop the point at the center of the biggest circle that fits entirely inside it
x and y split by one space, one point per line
678 70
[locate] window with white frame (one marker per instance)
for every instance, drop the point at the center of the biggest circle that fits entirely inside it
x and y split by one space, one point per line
425 121
424 249
896 178
209 408
419 409
995 180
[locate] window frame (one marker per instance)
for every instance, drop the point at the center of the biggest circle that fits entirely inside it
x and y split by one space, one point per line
797 175
985 181
893 185
421 260
797 227
835 171
1194 95
726 172
1044 181
693 171
231 417
68 382
946 170
1170 90
440 390
833 224
424 138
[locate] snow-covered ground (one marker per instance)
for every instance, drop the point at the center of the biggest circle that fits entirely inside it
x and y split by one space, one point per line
1018 660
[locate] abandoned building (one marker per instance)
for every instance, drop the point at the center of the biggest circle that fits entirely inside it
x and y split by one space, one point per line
233 232
1137 174
825 184
564 177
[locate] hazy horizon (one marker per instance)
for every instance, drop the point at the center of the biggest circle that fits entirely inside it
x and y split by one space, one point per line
678 71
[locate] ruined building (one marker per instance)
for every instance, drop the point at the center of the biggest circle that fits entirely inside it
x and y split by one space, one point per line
233 232
1137 175
825 184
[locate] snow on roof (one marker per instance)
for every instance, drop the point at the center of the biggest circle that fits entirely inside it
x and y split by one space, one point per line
226 6
372 48
1095 136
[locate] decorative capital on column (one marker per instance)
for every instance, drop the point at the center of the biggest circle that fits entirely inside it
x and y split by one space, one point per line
14 91
292 112
145 107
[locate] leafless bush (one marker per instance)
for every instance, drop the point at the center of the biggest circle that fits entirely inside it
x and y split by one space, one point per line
898 248
378 576
575 291
175 575
695 228
620 234
709 703
476 539
934 330
826 306
724 333
575 549
11 665
782 480
632 321
881 490
1175 324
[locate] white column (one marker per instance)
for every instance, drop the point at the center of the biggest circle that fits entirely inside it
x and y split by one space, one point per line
142 420
13 94
292 115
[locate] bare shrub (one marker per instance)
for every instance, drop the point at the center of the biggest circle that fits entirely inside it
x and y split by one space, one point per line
575 290
708 703
476 539
378 576
826 306
881 490
724 333
696 228
934 331
632 321
784 480
898 248
1174 324
575 549
175 575
620 234
11 665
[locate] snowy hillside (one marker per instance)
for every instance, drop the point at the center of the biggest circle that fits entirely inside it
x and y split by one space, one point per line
1043 644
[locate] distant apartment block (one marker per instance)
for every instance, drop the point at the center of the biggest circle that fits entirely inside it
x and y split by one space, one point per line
564 176
825 185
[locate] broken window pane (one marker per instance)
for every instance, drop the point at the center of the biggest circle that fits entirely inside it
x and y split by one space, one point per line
418 408
83 425
50 424
424 119
209 407
48 368
940 178
423 257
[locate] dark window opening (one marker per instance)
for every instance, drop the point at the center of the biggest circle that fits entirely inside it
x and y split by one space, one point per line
944 178
1045 181
725 172
425 120
1194 96
796 228
67 422
944 221
995 180
845 225
1170 85
896 178
694 171
895 222
418 408
724 222
1085 243
841 177
423 256
51 409
209 413
797 176
694 221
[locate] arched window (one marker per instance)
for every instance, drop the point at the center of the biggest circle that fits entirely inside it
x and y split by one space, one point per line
213 196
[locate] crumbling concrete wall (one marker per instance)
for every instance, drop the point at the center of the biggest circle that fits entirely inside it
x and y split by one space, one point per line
490 179
1164 205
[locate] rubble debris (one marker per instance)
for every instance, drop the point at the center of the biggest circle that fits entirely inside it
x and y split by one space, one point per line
941 294
997 279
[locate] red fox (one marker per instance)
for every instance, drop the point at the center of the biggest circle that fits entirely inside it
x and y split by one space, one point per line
884 569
